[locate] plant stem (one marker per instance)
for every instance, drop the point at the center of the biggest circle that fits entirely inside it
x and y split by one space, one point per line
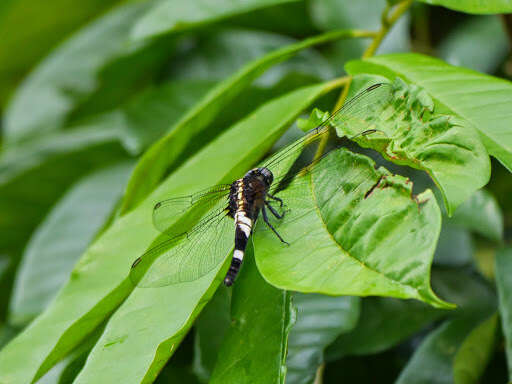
319 377
387 22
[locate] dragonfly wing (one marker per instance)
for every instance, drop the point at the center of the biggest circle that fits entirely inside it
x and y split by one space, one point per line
166 212
189 256
359 114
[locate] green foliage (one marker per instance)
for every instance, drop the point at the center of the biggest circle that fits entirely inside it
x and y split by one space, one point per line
320 319
61 239
44 25
259 328
164 153
90 67
475 352
459 47
342 204
433 360
133 103
410 132
475 6
504 283
169 16
482 100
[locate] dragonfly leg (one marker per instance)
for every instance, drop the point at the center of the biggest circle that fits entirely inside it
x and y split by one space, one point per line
276 199
265 219
273 211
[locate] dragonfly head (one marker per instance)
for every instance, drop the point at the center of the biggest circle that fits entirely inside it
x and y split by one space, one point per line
263 174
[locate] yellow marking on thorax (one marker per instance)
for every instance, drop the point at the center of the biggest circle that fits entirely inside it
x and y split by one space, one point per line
240 200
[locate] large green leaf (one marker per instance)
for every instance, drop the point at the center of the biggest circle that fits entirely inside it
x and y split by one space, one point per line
504 283
320 319
210 329
254 350
482 100
367 222
163 154
99 282
170 16
475 6
410 132
62 238
153 323
37 27
487 33
95 59
433 361
475 352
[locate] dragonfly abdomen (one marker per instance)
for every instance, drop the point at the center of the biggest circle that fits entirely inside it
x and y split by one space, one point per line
242 205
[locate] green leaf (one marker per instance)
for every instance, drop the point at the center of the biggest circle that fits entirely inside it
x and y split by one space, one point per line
164 154
146 117
41 170
504 284
95 60
210 330
320 319
100 281
68 368
254 350
411 133
475 352
153 323
34 175
170 16
383 323
37 27
433 361
474 6
367 223
481 100
218 55
62 238
485 32
480 214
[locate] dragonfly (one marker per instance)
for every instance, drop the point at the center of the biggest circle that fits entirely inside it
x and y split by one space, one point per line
189 255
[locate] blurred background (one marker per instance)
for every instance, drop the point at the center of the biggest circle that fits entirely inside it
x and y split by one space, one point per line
86 87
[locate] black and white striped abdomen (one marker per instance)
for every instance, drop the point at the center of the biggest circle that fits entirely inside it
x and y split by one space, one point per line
243 228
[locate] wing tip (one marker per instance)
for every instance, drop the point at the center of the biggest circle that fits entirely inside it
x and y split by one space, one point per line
136 262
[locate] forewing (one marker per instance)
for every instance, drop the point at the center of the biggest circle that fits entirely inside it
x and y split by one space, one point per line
359 113
166 212
363 110
189 256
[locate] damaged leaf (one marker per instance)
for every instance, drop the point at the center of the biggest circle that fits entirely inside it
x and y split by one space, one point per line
353 230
